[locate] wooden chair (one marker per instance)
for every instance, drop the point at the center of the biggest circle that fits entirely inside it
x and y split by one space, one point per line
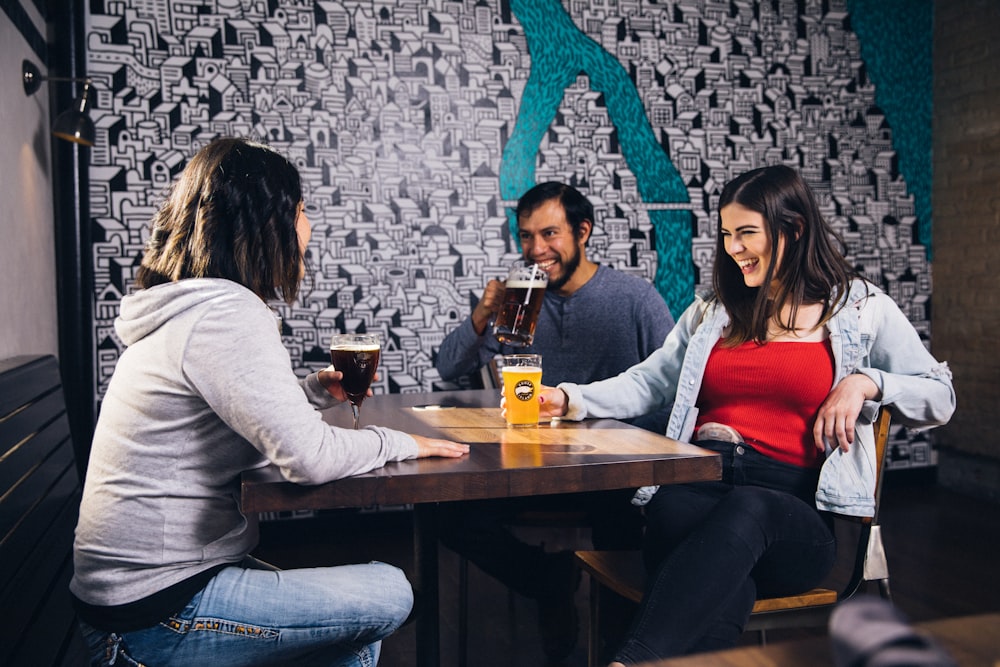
623 573
489 375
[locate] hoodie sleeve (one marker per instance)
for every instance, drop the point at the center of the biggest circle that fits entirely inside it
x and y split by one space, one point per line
235 360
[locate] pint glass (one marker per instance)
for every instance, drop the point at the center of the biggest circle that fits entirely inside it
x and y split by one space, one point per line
522 300
522 376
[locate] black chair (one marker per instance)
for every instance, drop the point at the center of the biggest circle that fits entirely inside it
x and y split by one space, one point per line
623 573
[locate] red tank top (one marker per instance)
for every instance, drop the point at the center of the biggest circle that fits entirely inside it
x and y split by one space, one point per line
770 394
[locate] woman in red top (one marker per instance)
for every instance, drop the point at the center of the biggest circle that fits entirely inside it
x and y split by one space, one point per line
780 371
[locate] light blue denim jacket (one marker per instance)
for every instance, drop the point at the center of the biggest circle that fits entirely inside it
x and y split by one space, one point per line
869 335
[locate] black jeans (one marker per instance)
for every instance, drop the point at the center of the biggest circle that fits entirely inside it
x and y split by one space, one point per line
713 548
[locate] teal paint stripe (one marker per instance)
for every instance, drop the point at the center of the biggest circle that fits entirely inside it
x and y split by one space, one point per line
896 38
559 52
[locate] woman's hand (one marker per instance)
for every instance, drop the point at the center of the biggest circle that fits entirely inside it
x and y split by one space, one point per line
838 414
330 378
552 403
433 447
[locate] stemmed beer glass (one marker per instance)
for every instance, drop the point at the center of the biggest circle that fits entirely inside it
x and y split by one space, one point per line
356 356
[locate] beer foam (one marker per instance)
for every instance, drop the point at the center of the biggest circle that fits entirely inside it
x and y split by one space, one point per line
521 370
525 283
356 347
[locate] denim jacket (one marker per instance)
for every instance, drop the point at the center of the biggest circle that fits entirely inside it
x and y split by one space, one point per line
869 335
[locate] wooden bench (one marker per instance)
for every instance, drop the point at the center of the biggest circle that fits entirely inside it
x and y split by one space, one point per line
39 501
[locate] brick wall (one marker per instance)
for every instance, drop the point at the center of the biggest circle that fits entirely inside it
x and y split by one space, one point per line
966 210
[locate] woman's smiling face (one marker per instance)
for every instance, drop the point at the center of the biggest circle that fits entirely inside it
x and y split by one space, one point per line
745 238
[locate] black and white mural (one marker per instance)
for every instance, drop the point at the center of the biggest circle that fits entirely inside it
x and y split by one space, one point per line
416 125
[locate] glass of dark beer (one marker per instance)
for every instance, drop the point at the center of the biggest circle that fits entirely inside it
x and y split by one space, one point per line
522 301
356 356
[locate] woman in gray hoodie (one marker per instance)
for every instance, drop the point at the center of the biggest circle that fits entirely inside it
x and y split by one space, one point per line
203 392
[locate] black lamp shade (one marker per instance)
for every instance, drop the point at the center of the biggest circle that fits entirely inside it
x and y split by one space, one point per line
74 126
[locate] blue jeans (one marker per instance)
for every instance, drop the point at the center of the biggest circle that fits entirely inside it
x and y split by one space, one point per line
713 548
331 616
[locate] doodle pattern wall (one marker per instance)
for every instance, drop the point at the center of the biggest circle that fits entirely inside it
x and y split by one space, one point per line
416 124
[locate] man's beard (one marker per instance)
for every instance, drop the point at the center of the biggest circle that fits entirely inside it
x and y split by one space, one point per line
569 268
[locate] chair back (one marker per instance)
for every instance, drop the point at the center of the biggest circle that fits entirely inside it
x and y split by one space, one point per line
871 563
881 448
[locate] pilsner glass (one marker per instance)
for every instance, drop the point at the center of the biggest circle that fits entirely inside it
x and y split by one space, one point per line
356 356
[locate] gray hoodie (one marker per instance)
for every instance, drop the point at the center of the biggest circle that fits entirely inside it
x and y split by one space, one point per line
203 392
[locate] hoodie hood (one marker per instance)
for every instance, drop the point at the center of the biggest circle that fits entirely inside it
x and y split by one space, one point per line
145 311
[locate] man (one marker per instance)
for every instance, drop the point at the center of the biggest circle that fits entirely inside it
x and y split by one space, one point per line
595 322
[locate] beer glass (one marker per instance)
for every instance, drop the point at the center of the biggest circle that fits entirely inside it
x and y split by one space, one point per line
522 376
356 356
522 301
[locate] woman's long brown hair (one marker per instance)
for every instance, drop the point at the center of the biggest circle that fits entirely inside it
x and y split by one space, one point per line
231 215
813 268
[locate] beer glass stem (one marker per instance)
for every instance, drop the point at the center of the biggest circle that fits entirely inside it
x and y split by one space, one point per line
357 415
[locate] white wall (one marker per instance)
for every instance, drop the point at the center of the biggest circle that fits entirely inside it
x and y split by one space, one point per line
28 318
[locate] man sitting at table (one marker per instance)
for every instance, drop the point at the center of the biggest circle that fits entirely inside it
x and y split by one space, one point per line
595 322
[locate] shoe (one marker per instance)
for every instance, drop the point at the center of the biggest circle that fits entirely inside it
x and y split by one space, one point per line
719 432
558 621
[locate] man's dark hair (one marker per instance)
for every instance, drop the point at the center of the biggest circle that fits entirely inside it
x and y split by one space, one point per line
577 207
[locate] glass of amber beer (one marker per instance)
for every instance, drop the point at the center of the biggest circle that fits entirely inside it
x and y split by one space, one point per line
356 356
522 376
522 300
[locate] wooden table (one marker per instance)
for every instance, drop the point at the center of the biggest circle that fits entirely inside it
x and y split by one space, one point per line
973 641
556 457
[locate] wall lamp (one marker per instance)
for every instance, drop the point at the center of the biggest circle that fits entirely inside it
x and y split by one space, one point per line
73 124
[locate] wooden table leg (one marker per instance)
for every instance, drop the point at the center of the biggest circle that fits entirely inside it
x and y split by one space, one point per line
425 543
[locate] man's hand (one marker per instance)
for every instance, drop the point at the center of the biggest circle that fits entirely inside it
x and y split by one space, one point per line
488 306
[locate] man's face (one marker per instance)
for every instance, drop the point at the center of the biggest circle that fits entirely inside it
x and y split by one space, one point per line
547 239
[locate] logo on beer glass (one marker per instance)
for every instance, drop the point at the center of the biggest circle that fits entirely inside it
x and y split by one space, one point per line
522 301
524 390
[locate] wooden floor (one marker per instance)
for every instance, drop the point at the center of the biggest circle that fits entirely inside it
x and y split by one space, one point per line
942 552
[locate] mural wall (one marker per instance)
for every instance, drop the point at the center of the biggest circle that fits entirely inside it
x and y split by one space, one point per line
416 124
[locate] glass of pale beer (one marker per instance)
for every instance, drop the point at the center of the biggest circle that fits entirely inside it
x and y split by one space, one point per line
522 301
356 356
522 376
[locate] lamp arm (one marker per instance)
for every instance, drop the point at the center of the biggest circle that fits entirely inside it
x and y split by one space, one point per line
31 78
